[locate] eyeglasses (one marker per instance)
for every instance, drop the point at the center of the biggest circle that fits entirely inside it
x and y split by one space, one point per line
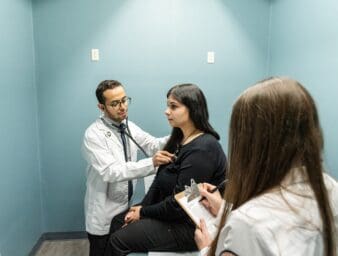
125 101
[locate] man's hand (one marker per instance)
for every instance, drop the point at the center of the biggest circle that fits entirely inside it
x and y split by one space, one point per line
162 157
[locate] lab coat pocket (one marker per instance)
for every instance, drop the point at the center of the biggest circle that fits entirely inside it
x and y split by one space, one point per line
118 191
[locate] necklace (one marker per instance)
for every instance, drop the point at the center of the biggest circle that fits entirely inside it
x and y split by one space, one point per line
191 136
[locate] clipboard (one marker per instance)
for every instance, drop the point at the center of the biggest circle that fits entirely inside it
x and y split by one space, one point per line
195 209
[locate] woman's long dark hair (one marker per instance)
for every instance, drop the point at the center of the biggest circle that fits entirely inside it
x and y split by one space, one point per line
193 98
275 127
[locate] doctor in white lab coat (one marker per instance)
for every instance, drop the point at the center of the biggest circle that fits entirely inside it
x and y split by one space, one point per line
108 172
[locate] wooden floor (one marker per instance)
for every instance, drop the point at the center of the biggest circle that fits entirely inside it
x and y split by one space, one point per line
73 247
80 247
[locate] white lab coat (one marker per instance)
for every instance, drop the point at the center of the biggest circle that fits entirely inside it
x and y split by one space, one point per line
108 173
280 223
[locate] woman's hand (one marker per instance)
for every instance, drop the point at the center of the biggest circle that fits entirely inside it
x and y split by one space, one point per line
202 236
132 215
162 157
211 201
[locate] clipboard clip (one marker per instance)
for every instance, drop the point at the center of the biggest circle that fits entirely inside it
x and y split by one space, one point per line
192 191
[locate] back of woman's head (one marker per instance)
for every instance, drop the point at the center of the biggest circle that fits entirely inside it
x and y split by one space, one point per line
274 127
191 96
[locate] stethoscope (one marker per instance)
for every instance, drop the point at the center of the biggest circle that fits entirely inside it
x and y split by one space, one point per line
126 133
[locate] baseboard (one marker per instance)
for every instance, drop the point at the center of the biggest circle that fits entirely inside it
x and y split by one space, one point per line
64 235
36 246
57 236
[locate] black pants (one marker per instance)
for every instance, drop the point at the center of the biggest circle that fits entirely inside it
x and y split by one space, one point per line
97 244
149 235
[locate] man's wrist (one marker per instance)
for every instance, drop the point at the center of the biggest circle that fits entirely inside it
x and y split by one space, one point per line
204 251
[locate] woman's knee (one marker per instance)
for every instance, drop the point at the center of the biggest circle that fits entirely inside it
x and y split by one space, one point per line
116 246
117 222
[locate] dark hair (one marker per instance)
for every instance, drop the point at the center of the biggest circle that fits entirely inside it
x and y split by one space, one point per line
275 127
103 86
193 98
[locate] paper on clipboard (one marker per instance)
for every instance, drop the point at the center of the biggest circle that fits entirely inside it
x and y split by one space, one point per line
197 211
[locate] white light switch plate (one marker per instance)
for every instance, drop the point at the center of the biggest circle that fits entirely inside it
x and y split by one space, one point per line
95 55
211 57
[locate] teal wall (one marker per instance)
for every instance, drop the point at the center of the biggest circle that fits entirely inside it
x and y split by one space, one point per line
149 46
48 81
20 200
304 45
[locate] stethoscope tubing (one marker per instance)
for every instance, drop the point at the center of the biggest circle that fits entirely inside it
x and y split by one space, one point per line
128 135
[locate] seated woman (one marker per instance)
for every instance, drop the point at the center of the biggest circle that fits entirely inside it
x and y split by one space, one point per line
158 223
278 199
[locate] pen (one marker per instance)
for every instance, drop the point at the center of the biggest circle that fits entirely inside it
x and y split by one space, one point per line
215 188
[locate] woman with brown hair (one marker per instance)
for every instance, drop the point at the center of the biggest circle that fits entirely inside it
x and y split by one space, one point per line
278 200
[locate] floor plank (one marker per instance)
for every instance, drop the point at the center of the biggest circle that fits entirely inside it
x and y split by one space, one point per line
73 247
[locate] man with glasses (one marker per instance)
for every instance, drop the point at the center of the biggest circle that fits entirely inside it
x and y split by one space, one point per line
112 162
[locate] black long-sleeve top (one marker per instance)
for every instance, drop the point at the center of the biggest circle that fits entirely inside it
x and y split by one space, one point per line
201 159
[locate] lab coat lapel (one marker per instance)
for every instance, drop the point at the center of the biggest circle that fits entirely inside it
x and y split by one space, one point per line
110 136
